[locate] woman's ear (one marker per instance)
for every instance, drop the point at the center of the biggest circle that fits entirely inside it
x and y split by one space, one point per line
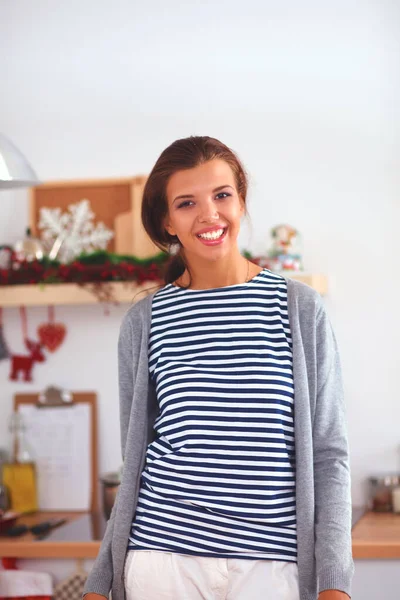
167 227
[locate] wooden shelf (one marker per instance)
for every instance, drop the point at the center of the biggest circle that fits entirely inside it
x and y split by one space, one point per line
71 293
65 293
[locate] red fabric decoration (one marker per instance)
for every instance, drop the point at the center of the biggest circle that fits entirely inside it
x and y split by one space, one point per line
51 334
22 362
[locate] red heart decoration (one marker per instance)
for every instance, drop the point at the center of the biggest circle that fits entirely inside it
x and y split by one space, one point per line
51 335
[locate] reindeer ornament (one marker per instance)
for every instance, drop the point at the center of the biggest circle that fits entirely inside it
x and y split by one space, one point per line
51 335
23 363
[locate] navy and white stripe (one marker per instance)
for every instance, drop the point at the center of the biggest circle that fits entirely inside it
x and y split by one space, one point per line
219 478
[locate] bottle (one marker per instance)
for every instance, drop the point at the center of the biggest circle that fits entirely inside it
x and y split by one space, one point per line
19 475
396 499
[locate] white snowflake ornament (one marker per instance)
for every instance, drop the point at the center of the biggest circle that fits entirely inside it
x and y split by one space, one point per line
67 235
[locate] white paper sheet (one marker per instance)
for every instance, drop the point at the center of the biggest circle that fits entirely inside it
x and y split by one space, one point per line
59 438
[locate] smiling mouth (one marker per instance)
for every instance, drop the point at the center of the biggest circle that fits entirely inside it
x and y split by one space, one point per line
213 238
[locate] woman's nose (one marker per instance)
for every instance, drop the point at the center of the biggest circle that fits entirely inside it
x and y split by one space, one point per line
208 210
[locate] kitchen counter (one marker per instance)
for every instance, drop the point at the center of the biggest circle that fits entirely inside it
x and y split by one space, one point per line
80 537
375 536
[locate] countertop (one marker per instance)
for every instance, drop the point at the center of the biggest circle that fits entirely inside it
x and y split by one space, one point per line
80 537
375 536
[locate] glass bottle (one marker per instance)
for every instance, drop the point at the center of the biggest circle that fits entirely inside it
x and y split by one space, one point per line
19 475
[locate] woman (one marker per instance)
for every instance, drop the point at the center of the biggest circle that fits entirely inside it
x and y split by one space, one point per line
236 481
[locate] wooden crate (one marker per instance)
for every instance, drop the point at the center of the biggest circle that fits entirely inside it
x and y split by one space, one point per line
115 202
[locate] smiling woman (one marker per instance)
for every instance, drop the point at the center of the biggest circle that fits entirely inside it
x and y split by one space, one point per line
236 478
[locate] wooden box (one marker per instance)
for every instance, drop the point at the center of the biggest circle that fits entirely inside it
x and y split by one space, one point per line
115 202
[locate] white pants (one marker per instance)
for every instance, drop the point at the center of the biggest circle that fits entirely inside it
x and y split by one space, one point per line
157 575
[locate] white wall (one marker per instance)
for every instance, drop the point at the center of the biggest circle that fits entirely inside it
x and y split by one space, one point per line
307 93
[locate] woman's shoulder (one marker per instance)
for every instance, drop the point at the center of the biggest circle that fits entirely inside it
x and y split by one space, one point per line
303 300
139 310
297 290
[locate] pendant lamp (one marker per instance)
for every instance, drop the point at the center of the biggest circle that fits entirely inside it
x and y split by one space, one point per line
15 171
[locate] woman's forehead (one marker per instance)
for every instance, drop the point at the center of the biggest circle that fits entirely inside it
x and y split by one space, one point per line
203 178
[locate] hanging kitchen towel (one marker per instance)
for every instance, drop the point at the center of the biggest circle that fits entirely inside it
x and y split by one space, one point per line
72 587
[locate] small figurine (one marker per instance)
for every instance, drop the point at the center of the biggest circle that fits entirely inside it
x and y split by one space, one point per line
284 255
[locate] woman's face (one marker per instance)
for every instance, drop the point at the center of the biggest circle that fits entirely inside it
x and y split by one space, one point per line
210 198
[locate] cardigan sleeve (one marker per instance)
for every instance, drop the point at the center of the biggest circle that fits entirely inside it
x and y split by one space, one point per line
100 577
125 377
332 480
128 361
99 580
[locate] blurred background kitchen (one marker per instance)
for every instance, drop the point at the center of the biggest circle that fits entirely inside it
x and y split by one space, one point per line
307 94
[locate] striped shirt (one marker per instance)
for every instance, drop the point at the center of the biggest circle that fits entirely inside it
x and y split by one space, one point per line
219 478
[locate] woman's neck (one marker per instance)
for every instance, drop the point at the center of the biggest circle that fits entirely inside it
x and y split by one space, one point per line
210 277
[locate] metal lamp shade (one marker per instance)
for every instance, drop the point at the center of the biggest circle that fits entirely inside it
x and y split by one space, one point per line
15 171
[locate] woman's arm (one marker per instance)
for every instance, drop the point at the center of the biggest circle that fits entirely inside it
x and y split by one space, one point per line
99 581
333 542
127 370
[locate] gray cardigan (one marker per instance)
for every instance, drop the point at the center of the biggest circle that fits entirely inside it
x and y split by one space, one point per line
323 491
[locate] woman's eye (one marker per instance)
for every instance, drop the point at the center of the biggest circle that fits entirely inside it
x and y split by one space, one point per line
225 194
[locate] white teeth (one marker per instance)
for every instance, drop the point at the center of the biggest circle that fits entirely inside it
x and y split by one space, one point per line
211 236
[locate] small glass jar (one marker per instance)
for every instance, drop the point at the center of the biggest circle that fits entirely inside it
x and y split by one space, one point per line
381 487
30 248
396 499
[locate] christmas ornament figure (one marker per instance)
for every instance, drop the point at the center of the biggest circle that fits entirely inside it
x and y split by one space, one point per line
24 363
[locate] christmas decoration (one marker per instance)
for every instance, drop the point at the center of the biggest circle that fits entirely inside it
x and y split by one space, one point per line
29 249
4 352
24 363
284 254
68 235
51 334
91 271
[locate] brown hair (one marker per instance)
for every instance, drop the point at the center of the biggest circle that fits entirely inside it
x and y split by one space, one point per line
185 153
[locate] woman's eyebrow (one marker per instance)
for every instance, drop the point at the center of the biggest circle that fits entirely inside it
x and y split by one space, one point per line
217 189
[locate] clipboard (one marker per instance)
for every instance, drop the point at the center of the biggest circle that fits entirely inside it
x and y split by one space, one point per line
61 429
